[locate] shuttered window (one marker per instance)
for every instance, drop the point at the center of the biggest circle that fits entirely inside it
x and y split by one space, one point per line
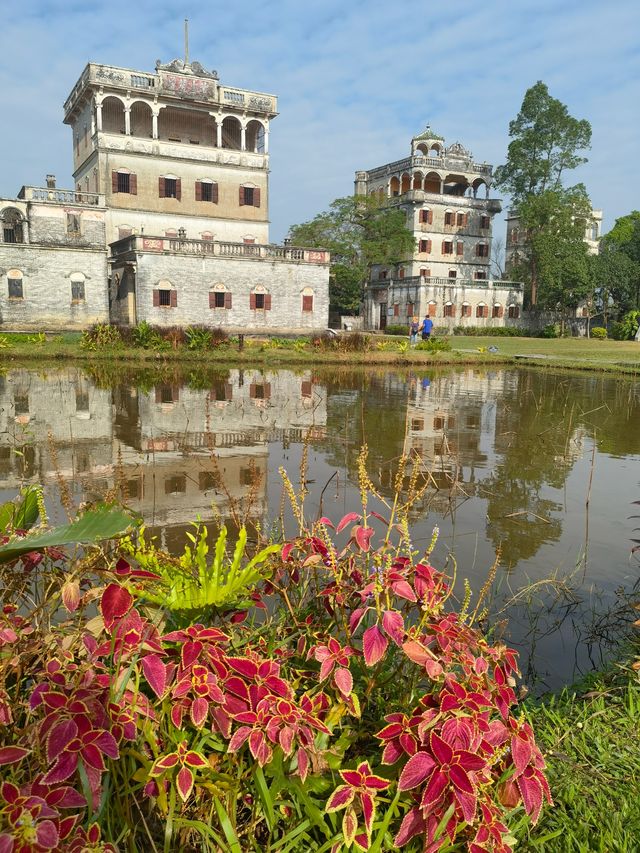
448 217
465 311
165 298
249 196
260 301
432 309
426 216
485 221
514 312
207 191
460 248
124 182
170 188
307 303
450 310
482 311
498 311
482 250
447 247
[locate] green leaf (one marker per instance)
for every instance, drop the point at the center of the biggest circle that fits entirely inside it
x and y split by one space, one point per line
22 515
94 526
227 827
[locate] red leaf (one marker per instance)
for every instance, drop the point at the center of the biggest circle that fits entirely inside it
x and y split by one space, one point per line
380 518
156 674
416 652
47 835
361 840
11 754
343 680
368 810
199 710
349 518
393 624
115 602
340 798
433 668
63 768
441 749
356 618
326 521
403 590
60 737
166 762
107 744
521 752
415 771
194 759
349 827
412 824
435 786
363 537
374 645
286 551
184 783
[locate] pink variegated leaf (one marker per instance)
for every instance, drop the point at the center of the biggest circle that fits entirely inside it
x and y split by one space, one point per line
433 668
12 754
393 624
349 518
379 517
46 835
361 841
184 783
412 824
92 757
244 666
286 551
349 827
521 752
356 618
166 762
434 789
404 590
194 759
532 796
326 521
303 763
343 680
392 752
239 738
415 771
341 797
368 810
198 711
116 601
460 779
71 594
155 672
60 736
64 767
416 652
363 537
326 668
374 645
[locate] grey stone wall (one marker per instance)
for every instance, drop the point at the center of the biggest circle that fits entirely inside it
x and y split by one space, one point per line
46 283
52 229
194 277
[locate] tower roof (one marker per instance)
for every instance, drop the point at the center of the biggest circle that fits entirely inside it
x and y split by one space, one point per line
427 133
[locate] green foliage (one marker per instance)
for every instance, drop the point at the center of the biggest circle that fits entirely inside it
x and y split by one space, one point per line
494 332
359 232
599 333
626 328
545 141
349 342
101 336
198 338
21 514
550 331
434 345
397 330
193 585
95 525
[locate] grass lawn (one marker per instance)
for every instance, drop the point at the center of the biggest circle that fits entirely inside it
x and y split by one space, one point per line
576 350
591 740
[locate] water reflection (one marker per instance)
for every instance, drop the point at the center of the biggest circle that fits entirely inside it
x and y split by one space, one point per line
506 460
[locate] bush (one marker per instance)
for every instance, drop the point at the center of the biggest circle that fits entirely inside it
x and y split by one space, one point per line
398 330
146 336
599 333
494 332
198 338
192 714
550 331
434 345
101 336
349 342
626 328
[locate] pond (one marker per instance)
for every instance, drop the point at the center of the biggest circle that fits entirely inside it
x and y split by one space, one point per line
539 467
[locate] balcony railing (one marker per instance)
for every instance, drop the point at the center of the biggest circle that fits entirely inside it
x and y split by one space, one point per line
493 205
57 196
441 281
418 161
217 248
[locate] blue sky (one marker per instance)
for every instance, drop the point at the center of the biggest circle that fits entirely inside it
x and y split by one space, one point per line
355 81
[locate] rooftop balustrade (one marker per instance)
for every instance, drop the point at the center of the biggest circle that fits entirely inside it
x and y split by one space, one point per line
440 281
418 161
60 196
217 248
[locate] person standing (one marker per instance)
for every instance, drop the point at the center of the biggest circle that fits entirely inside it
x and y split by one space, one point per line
413 330
426 327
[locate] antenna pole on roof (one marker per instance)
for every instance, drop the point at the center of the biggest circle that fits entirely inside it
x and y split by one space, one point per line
186 41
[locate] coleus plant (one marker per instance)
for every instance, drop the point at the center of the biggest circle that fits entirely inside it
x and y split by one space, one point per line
359 693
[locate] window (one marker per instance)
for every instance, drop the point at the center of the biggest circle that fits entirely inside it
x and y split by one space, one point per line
401 272
260 390
250 196
396 309
218 299
12 226
209 480
485 221
459 248
410 309
482 310
306 388
124 232
124 182
307 302
73 224
449 217
82 400
77 290
431 309
246 476
425 272
497 310
425 246
207 191
260 301
462 219
426 216
175 485
466 310
453 273
447 247
15 288
167 394
514 312
170 188
482 250
21 404
417 424
165 298
480 275
449 310
384 273
438 423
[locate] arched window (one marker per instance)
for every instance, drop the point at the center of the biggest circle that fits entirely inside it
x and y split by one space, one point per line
255 137
141 120
259 299
165 295
449 309
15 284
307 299
112 115
77 287
482 310
431 308
12 226
497 311
465 310
231 133
220 297
514 312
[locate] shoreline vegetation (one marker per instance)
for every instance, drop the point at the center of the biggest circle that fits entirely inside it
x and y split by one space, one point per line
621 357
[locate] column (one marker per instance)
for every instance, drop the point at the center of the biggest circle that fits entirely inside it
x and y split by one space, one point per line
127 121
154 124
99 116
243 137
441 186
266 140
219 132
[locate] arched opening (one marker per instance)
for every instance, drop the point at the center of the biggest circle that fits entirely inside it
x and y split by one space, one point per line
479 182
405 184
432 183
394 186
12 226
187 126
465 310
482 310
514 312
497 310
77 287
231 133
422 148
435 150
455 185
15 284
255 137
140 120
417 180
112 115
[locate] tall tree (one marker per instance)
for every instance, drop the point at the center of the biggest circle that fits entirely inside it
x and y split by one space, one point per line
545 143
359 232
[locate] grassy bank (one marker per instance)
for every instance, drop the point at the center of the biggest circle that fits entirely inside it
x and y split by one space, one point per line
590 737
613 356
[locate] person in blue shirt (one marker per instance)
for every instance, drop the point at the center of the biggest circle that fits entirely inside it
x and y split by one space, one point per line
426 327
